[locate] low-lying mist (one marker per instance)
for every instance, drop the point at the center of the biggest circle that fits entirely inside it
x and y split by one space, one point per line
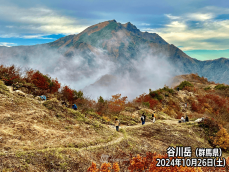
98 74
146 72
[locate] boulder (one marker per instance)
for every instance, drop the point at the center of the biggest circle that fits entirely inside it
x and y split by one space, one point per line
20 93
199 120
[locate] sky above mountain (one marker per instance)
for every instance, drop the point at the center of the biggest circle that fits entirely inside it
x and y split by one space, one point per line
198 27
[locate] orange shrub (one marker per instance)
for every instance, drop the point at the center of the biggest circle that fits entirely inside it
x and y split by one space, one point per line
9 74
67 93
148 164
147 98
117 103
197 107
40 80
222 139
190 89
93 168
116 167
54 86
105 167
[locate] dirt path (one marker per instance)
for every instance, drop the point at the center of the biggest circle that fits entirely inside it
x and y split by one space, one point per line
117 140
121 137
114 141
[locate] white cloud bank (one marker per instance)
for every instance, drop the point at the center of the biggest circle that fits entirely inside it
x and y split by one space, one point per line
37 20
7 44
196 31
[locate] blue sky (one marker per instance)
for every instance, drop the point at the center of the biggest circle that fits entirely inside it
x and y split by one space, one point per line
198 27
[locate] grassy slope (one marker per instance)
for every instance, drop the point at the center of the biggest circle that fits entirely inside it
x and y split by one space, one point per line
44 135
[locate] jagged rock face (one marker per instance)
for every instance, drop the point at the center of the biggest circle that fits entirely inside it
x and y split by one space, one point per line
122 42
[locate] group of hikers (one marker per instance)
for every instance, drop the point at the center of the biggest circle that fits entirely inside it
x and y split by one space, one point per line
65 104
184 119
16 86
117 123
143 119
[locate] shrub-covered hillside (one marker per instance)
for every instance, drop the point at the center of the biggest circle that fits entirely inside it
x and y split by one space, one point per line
46 135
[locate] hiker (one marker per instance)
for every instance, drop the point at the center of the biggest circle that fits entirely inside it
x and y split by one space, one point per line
186 119
153 117
185 105
117 124
74 106
142 119
64 103
182 119
43 97
178 88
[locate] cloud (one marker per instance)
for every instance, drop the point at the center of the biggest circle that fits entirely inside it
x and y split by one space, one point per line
172 17
7 44
145 24
200 16
147 71
38 20
34 37
194 31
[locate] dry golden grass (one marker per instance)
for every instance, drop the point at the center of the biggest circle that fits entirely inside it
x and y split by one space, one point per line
46 136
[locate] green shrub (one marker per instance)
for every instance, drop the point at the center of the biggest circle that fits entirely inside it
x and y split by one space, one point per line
156 95
3 88
101 100
167 89
146 104
77 94
184 84
221 87
207 88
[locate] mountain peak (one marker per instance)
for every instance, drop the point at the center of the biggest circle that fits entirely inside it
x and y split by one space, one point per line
130 27
113 21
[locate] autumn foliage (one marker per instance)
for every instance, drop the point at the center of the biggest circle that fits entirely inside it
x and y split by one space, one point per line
149 162
147 98
67 93
40 81
222 139
105 167
9 74
117 103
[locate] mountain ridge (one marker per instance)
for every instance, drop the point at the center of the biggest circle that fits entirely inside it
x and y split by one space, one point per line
123 42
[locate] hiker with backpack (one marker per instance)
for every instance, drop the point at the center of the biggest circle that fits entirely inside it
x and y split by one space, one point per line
142 118
153 117
43 97
74 106
117 123
182 119
186 119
